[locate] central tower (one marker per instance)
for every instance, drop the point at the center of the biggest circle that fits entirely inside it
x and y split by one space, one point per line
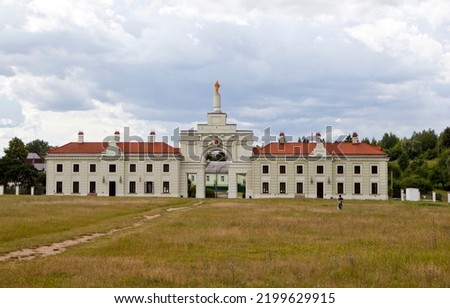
216 136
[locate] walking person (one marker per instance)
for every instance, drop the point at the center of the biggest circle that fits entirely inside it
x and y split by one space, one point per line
340 201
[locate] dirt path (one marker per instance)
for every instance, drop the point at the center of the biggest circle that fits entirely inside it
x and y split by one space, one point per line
57 248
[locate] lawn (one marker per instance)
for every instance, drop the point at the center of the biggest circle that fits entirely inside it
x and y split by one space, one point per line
225 243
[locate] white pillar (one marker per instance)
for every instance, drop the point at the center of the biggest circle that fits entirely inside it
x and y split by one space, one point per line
217 104
448 197
434 196
201 191
2 189
402 194
17 190
32 190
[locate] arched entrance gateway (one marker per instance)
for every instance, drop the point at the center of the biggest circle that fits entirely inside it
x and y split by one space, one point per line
216 156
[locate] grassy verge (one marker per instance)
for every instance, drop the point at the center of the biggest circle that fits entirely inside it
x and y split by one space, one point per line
245 243
30 221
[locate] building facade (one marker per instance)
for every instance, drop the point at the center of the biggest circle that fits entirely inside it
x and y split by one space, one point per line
281 169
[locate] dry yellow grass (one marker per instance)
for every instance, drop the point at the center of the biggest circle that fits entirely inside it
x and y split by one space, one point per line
250 243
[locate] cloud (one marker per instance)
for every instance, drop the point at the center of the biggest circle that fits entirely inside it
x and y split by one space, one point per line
397 39
296 66
50 92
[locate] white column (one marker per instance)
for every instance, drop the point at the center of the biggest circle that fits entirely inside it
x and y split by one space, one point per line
17 190
434 196
2 189
448 197
32 190
402 194
217 104
232 184
201 192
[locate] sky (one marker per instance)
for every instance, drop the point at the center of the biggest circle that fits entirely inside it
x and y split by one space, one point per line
295 66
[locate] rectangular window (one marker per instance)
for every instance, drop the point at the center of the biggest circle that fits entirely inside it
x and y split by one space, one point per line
148 187
320 169
282 169
340 169
132 187
357 169
282 188
207 178
300 188
374 169
149 167
59 168
374 190
59 187
222 178
265 187
265 169
357 188
76 187
92 188
92 168
166 187
299 169
166 168
112 168
133 168
340 188
76 168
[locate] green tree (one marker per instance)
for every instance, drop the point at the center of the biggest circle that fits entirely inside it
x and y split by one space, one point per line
415 181
16 150
444 139
440 174
14 166
40 147
395 152
423 141
389 141
403 161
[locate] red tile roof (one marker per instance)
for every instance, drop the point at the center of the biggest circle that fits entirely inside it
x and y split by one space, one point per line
300 148
127 147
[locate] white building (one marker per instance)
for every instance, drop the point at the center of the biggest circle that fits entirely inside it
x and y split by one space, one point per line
279 169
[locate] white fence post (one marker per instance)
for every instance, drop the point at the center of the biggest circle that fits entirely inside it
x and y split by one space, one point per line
17 190
2 189
32 190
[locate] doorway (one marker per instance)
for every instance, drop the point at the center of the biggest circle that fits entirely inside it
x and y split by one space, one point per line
112 189
241 185
320 190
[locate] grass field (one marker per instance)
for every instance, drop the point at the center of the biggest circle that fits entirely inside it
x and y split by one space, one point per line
225 243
